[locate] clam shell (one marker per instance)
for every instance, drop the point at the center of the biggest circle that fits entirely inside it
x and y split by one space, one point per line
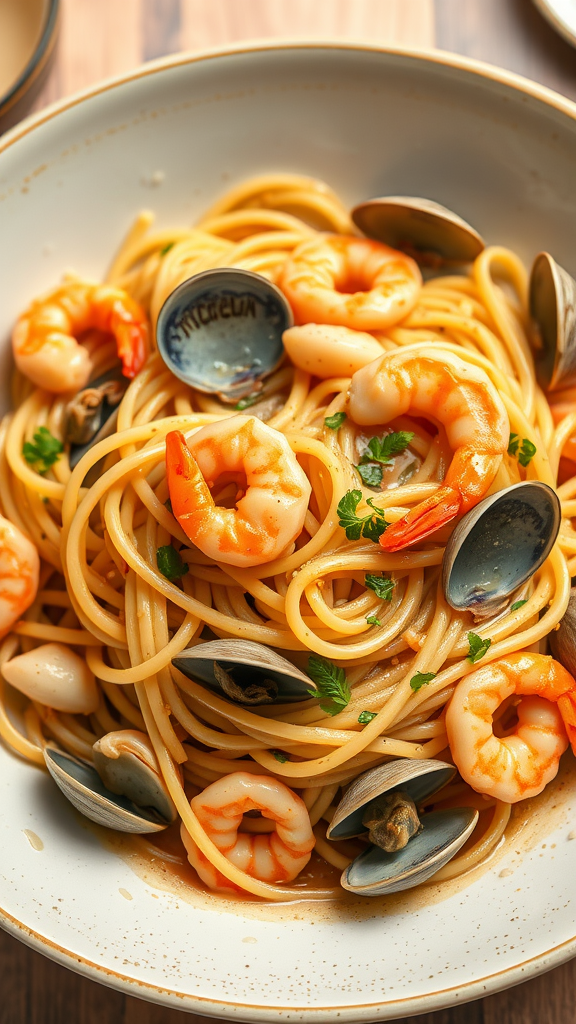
420 226
420 779
249 662
563 640
376 873
553 308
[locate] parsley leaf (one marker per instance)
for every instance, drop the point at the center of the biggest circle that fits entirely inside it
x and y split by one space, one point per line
245 403
373 620
371 474
166 248
517 605
421 679
370 526
335 422
332 685
366 716
44 452
513 443
382 449
527 452
169 562
478 647
280 756
381 585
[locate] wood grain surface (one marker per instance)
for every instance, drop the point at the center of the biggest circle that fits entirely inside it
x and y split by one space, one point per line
104 37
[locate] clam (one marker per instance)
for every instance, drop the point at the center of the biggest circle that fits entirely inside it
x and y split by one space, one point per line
405 847
563 640
553 310
91 415
124 790
420 227
244 672
498 546
221 331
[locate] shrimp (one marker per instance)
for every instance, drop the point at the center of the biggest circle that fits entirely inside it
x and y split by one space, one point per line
272 497
278 856
351 282
460 397
521 764
19 574
44 340
329 351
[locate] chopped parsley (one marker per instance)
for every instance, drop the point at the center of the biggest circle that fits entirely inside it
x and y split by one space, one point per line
524 452
477 647
373 620
517 605
370 526
44 452
280 756
169 562
381 585
371 474
421 679
365 717
166 248
332 689
383 449
335 422
245 403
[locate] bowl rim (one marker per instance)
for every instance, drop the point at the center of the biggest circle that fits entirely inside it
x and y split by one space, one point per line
379 1009
37 61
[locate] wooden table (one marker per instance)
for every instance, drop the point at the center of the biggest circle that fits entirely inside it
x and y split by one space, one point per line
105 37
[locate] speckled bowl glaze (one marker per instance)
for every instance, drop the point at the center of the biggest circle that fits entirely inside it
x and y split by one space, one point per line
499 151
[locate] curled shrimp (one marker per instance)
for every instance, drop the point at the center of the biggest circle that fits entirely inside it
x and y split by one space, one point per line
353 282
272 491
19 572
278 856
453 393
521 764
45 338
329 351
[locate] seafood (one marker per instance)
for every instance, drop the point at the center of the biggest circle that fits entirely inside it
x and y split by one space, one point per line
54 675
274 857
19 571
45 339
518 765
271 497
458 396
352 282
330 351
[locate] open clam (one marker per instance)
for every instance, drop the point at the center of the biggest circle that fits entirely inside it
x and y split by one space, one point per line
563 640
244 672
553 310
405 848
91 415
422 228
124 790
498 546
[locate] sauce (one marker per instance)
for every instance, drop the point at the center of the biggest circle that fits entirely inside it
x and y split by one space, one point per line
21 24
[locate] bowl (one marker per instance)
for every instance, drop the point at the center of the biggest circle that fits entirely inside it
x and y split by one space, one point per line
28 31
172 135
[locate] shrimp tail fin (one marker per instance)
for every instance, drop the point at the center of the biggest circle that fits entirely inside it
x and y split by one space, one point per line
132 347
567 708
189 496
423 520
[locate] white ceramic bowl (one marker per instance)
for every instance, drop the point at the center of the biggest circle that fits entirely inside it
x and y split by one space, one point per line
501 152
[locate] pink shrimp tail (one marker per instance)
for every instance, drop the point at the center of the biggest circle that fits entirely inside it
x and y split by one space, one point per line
423 520
567 708
132 346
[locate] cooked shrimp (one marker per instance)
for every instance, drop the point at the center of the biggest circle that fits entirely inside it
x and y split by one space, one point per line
354 282
278 856
460 397
272 496
44 340
19 571
329 351
521 764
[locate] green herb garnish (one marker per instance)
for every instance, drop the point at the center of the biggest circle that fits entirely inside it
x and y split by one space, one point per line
371 474
525 452
169 562
166 248
513 443
335 422
381 585
45 451
517 605
332 690
478 647
366 716
370 526
383 449
373 620
421 679
245 403
280 756
168 505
